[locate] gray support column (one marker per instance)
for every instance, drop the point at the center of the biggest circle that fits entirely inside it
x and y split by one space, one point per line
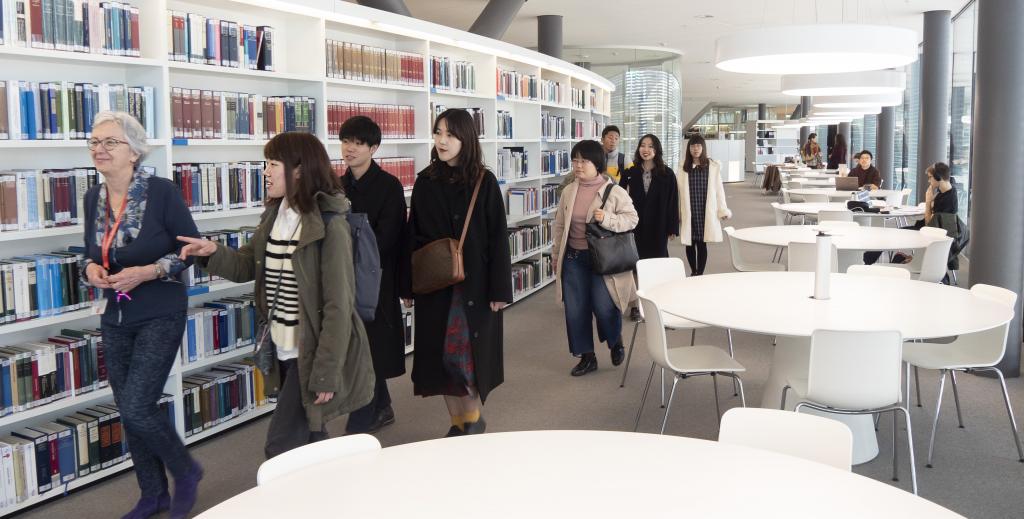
997 216
936 83
805 110
762 111
844 130
496 17
885 145
391 6
549 35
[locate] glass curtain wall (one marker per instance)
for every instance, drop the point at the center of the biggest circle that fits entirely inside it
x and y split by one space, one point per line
647 100
961 107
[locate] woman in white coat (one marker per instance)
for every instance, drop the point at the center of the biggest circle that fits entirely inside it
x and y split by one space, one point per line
587 295
701 204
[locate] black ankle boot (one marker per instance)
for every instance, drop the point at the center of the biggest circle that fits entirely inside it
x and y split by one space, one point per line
588 363
618 353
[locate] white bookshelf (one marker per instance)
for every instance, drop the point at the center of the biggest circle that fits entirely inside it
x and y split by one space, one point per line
766 144
300 70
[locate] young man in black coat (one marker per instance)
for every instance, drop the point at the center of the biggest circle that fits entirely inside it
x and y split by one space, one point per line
380 195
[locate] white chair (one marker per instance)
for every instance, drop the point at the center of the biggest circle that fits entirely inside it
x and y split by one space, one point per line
816 198
683 362
649 274
855 372
796 434
931 266
979 351
781 217
313 454
842 215
879 271
738 250
786 199
803 257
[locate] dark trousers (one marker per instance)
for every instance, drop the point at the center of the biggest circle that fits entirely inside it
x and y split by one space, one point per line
362 418
585 294
697 257
289 428
138 358
871 257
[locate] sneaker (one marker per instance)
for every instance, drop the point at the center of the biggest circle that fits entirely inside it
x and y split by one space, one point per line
618 353
588 363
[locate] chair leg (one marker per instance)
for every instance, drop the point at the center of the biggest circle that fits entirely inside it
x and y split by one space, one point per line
917 386
668 407
782 405
935 421
693 336
643 399
956 398
629 354
910 448
906 382
878 417
1009 412
728 333
662 388
895 426
714 383
743 397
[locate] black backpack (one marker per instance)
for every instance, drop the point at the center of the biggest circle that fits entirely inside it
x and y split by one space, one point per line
365 262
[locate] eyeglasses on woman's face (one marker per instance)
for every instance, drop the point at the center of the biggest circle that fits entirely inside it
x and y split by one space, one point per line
109 144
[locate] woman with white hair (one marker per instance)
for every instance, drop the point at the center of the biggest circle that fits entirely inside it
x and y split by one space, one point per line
132 221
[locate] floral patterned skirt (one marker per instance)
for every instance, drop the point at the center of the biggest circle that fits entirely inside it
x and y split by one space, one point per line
460 373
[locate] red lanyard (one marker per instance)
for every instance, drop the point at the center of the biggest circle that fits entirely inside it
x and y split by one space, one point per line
108 232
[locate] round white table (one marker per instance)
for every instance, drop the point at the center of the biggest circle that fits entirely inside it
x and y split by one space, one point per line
833 193
543 474
812 208
816 182
815 175
779 304
844 238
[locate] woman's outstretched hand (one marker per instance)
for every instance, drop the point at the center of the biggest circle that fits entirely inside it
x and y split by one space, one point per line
196 247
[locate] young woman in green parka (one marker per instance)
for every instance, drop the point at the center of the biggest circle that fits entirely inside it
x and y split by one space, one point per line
303 271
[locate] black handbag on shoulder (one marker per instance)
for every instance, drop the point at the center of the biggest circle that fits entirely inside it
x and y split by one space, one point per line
610 252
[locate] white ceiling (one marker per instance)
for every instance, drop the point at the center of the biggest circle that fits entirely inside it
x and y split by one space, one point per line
689 26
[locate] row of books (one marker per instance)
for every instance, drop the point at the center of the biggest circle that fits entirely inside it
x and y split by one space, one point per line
553 92
458 76
94 26
36 373
395 121
217 186
195 275
437 109
553 126
403 168
208 114
33 199
218 327
593 100
526 275
522 201
554 162
194 38
45 456
43 285
225 392
512 163
511 83
578 128
373 64
504 125
595 128
549 196
32 110
579 98
529 238
547 266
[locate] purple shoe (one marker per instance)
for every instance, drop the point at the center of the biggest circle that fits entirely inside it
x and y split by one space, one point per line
186 490
148 507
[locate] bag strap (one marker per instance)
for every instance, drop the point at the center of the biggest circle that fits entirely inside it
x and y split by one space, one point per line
469 213
607 191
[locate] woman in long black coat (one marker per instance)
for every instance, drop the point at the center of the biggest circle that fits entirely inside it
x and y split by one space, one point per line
652 186
459 328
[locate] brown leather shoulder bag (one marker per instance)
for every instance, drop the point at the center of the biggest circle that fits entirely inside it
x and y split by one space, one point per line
438 264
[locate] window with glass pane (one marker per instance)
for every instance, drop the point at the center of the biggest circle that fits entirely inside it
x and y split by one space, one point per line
911 125
960 106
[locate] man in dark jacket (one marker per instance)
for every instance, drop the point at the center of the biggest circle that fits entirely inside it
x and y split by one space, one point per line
380 195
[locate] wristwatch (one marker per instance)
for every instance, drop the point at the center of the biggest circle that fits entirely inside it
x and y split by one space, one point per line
159 271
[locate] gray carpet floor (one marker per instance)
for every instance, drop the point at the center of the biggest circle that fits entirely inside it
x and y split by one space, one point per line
976 470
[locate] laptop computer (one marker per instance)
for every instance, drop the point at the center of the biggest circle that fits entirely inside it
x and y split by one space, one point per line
847 184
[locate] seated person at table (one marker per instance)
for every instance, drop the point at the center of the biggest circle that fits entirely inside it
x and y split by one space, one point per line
940 198
867 174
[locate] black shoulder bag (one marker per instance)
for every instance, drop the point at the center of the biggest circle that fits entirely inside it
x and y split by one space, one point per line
610 252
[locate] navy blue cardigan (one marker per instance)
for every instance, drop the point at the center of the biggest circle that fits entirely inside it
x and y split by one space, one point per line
166 217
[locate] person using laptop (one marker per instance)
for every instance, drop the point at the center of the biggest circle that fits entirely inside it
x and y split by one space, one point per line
866 173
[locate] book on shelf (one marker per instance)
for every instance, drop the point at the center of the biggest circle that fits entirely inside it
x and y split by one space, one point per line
522 201
437 109
43 285
456 76
579 99
195 38
219 327
595 128
220 394
395 121
549 196
58 110
578 127
403 168
352 61
91 26
504 125
208 114
512 163
554 162
553 92
526 275
527 238
220 186
32 199
553 126
516 85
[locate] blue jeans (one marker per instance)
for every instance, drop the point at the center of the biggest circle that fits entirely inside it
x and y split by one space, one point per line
584 294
